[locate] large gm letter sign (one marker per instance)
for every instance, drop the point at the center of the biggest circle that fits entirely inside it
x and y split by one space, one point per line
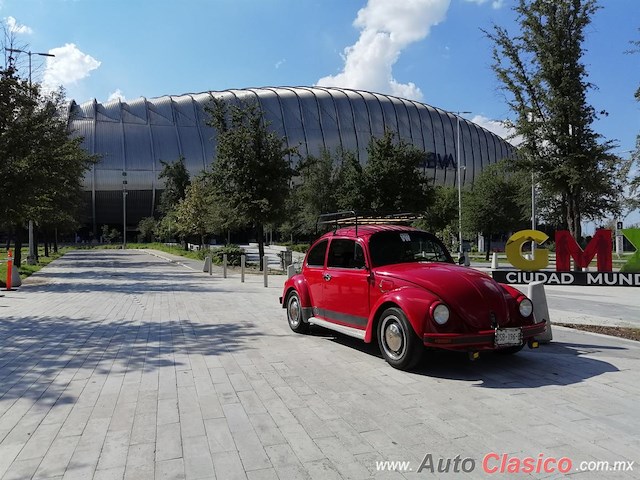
532 267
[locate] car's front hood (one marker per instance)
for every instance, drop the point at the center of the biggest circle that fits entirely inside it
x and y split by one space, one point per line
472 295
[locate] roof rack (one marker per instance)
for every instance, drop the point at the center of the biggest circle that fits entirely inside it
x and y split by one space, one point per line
336 218
350 217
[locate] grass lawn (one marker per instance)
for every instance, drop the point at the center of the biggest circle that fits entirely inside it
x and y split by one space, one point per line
622 332
25 270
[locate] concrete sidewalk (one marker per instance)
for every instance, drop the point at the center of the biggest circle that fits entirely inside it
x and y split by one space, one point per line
122 364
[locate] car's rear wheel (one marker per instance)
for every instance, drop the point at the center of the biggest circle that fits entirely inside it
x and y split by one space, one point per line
399 344
294 313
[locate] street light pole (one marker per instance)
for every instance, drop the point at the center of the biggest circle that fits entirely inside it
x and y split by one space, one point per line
124 210
533 203
29 53
459 180
31 258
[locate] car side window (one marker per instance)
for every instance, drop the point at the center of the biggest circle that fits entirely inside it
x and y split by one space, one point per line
315 258
344 253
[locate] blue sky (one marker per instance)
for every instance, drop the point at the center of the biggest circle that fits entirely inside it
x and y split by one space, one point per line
428 50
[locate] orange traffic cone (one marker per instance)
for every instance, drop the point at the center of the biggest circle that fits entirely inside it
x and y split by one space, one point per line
9 268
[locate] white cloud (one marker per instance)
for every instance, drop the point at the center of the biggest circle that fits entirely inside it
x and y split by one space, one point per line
386 28
69 66
117 95
499 128
14 27
496 4
279 63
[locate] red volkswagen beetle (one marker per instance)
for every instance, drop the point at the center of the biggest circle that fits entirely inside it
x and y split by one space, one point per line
399 285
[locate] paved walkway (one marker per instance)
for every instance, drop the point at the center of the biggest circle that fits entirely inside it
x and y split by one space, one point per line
122 364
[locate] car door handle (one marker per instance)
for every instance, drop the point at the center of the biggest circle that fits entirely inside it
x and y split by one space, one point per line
327 277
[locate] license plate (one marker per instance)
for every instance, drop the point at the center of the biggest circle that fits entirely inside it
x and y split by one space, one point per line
508 337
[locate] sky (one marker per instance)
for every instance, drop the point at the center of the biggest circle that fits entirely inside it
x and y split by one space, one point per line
432 51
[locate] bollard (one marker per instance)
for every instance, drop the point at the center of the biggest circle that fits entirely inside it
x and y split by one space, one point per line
224 265
210 265
207 264
494 261
15 278
536 294
242 260
265 270
9 269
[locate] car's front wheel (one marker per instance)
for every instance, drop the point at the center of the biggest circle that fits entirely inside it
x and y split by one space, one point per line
399 344
294 313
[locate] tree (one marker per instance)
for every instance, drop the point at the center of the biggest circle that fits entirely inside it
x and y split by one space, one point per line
351 189
251 172
634 200
313 193
390 182
441 216
176 181
393 178
42 167
147 228
167 227
498 202
60 163
544 78
193 211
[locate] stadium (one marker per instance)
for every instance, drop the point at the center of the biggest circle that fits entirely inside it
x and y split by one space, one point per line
132 137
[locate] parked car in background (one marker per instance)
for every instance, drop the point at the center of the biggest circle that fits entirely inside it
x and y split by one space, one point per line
399 286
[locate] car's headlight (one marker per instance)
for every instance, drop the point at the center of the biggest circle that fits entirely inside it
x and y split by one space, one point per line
441 314
525 307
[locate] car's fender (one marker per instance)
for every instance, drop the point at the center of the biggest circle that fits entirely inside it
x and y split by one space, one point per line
517 296
514 292
415 302
299 284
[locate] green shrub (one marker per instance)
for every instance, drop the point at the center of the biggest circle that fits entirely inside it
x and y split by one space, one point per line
233 252
297 247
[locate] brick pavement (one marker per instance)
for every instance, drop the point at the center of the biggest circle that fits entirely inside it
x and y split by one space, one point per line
120 364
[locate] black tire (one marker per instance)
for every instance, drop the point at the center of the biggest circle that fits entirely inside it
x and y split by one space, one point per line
294 313
399 344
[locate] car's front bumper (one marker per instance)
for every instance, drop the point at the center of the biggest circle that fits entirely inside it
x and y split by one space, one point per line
482 340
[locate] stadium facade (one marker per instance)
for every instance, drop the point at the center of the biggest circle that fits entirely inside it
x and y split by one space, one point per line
132 137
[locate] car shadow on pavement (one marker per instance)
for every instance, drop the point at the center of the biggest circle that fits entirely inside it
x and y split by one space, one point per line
526 369
554 364
41 358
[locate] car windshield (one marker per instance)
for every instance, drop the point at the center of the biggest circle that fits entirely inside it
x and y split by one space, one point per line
387 248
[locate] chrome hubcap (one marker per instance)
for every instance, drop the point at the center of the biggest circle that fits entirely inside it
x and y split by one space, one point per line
393 338
294 311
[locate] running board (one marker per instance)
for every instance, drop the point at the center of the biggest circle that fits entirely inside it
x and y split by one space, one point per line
352 332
